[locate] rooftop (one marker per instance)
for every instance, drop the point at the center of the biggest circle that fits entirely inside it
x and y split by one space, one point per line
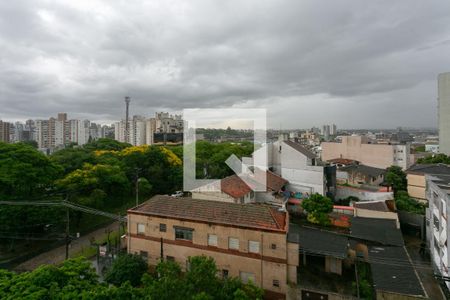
343 161
363 169
235 187
301 149
392 271
372 205
252 216
383 231
318 241
432 169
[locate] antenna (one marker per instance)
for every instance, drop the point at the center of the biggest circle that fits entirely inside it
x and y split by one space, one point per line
127 125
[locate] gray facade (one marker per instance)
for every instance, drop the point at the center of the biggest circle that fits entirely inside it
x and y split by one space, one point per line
444 112
437 193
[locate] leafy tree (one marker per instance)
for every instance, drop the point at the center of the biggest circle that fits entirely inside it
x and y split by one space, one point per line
33 144
435 159
318 207
106 144
404 202
93 183
76 279
396 178
127 267
25 173
72 159
202 276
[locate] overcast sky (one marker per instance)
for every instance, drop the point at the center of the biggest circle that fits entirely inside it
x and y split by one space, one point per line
358 64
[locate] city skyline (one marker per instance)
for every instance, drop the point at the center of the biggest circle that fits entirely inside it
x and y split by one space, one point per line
359 65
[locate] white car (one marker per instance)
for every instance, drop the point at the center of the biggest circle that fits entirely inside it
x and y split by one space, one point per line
177 194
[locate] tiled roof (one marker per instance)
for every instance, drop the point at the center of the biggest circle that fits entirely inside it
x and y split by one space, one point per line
383 231
433 169
372 205
300 149
363 169
274 181
392 271
235 187
243 215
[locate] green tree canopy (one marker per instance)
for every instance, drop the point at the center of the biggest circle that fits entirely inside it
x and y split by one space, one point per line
396 178
25 172
404 202
318 207
76 279
127 267
440 158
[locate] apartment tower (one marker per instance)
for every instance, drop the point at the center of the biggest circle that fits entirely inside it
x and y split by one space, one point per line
444 112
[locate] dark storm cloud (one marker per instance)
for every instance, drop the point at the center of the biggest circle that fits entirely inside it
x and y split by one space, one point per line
354 63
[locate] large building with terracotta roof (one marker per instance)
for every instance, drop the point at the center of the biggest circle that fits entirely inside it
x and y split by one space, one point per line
246 241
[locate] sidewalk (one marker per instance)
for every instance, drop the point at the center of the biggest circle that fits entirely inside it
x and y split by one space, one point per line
58 255
423 268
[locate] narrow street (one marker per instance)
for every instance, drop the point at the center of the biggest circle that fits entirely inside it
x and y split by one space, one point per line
423 268
58 255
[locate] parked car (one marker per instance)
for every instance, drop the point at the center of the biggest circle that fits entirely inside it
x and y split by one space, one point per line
177 194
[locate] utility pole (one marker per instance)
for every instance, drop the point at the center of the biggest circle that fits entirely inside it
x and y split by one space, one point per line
357 278
67 233
137 186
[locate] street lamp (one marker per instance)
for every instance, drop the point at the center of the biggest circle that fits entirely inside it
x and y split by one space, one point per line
137 191
137 185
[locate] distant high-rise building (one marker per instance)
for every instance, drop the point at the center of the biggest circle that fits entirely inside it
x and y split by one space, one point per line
333 129
444 112
142 131
4 131
326 132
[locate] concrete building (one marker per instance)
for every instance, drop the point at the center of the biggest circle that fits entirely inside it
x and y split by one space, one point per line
45 133
150 131
4 131
373 155
437 193
246 241
357 175
444 112
416 178
299 167
333 130
326 132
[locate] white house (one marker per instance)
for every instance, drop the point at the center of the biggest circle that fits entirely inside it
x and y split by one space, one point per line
298 165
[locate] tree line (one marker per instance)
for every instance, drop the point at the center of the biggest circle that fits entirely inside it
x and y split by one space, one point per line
101 174
128 278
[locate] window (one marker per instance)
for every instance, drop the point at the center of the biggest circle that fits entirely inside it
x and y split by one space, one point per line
246 277
140 228
212 240
233 243
276 283
144 255
273 246
162 227
224 274
170 258
183 233
253 246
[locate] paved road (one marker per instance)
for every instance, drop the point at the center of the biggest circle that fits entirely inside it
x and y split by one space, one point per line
58 255
425 273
